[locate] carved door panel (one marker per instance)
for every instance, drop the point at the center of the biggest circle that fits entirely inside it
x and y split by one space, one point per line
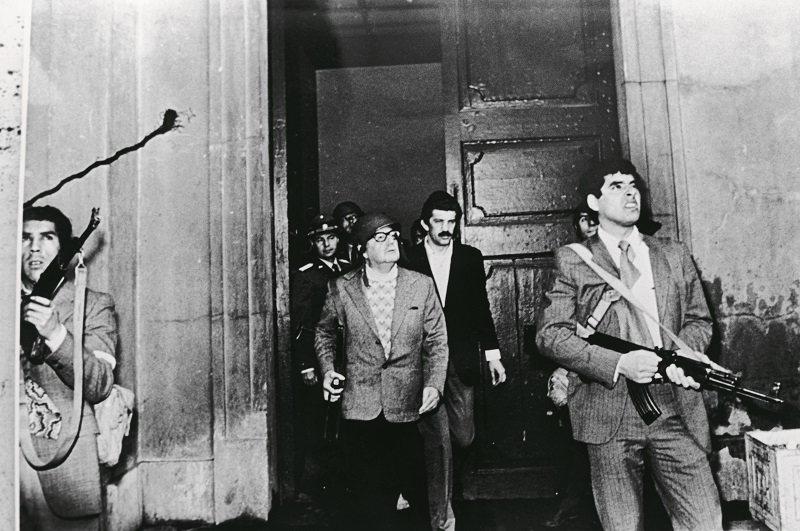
530 102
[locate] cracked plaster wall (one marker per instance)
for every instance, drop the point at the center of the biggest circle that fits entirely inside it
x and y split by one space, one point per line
738 66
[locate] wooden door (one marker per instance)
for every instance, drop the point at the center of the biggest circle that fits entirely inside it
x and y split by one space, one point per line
529 98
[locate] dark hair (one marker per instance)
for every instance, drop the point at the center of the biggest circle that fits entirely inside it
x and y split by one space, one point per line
417 227
440 200
56 217
344 208
581 211
592 180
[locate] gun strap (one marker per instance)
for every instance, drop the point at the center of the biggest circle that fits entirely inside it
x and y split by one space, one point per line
69 436
594 320
623 290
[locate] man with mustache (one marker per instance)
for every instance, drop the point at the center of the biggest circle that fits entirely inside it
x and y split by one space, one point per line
458 273
662 276
67 497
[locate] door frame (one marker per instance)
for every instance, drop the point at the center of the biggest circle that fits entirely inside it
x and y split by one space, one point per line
650 135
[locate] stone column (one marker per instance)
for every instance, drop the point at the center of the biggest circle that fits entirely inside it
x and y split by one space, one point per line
13 42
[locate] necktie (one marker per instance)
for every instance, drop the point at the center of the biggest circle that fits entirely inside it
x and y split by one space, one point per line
336 268
627 271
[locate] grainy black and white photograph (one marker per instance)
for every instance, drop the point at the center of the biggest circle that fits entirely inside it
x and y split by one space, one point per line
399 265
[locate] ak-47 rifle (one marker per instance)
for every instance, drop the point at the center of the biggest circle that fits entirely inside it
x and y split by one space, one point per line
333 411
702 373
47 286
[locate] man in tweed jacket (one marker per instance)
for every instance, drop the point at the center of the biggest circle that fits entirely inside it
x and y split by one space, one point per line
67 497
393 372
664 279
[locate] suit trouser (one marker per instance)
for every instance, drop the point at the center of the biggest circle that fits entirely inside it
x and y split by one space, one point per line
679 467
309 422
380 456
453 422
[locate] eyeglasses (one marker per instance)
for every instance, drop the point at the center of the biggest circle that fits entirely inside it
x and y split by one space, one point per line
380 237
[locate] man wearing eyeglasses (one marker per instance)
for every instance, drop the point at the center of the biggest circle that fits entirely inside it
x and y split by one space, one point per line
394 371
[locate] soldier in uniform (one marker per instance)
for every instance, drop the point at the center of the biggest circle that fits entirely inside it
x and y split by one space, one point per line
309 288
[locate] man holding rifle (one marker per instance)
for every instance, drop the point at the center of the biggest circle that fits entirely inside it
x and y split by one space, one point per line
67 497
662 277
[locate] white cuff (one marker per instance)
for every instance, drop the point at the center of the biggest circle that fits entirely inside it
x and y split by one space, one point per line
105 356
54 343
304 371
616 371
493 354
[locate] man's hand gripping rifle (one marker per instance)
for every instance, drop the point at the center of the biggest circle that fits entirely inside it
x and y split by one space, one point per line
702 373
47 286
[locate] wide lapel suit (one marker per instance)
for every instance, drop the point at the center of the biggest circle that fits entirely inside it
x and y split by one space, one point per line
595 400
73 488
470 327
418 357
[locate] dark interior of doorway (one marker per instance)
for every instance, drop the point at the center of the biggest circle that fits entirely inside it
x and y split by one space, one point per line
356 46
363 123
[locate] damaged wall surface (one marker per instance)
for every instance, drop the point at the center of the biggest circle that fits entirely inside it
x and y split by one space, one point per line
184 245
712 96
739 103
12 45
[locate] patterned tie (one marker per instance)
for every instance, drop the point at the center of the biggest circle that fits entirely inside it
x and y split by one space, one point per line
627 271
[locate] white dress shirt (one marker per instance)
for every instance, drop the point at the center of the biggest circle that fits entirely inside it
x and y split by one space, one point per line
644 289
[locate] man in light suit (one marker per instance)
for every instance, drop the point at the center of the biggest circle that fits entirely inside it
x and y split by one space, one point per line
394 368
662 276
67 497
460 280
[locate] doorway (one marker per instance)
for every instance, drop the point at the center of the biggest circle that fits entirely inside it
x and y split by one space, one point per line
526 100
363 115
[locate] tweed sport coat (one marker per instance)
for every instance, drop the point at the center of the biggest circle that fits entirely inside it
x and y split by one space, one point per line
595 401
73 488
418 356
470 327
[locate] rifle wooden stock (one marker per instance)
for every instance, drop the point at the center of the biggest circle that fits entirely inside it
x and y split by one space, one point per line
333 410
702 373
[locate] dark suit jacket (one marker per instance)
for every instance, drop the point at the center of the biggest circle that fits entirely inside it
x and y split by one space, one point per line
309 288
418 357
73 488
344 252
470 327
595 401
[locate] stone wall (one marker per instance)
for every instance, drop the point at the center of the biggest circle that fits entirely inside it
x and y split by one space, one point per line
185 242
710 92
12 45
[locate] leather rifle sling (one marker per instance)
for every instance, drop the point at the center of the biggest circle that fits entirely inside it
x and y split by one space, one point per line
70 435
623 290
